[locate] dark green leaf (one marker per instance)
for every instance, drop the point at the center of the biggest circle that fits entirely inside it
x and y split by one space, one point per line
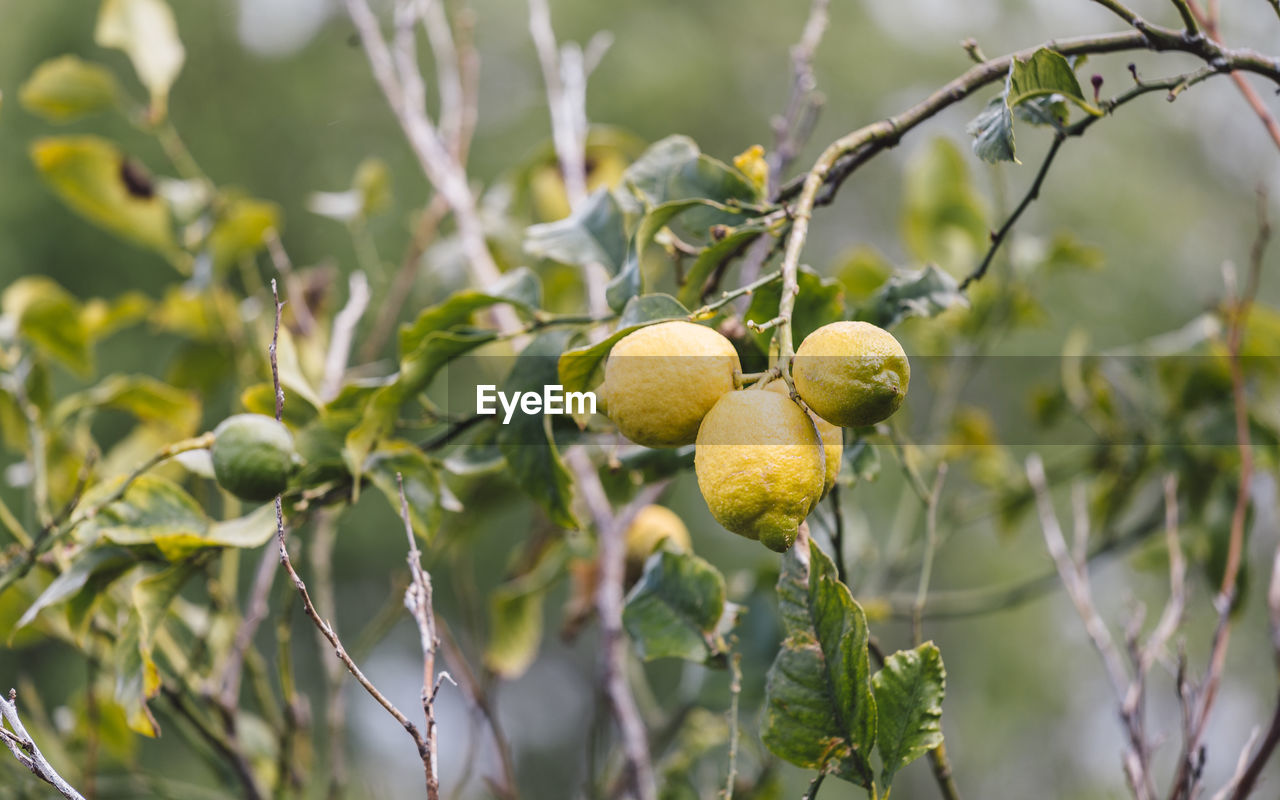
626 285
531 453
712 257
66 88
908 690
579 369
821 301
675 607
922 293
819 711
594 234
674 169
422 488
520 288
97 559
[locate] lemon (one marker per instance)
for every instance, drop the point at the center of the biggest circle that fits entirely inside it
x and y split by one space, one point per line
851 373
253 456
653 526
760 466
660 381
832 439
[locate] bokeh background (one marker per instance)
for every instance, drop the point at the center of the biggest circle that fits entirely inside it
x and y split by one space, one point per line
276 97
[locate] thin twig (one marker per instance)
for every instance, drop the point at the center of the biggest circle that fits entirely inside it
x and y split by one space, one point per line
611 554
308 606
264 579
930 545
418 600
1209 21
24 749
401 82
735 731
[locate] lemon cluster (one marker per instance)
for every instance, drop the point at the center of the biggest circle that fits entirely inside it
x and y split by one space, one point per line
764 458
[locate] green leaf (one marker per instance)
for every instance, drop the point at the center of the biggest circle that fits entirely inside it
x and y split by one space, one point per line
921 293
992 132
579 369
674 169
944 219
241 228
626 285
66 88
88 563
819 712
156 513
908 690
519 288
821 301
417 369
532 457
515 615
137 676
86 172
1045 73
594 234
142 396
50 318
145 30
422 488
674 609
248 532
712 257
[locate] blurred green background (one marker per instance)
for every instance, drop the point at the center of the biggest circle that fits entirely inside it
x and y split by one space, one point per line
276 97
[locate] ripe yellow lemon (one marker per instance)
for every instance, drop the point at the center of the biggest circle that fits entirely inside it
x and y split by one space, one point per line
831 435
253 456
760 466
660 381
851 373
652 526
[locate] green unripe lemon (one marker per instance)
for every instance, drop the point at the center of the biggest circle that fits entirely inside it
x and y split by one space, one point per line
851 374
760 466
253 456
661 380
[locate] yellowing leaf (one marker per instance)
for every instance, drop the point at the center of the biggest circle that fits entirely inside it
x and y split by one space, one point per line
145 30
49 318
241 229
88 174
67 88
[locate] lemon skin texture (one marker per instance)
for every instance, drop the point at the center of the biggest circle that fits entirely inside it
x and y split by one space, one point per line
660 381
652 527
253 456
831 435
851 374
760 466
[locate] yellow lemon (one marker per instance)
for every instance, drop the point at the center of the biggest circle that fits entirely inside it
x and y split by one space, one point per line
760 466
660 381
832 439
851 373
652 526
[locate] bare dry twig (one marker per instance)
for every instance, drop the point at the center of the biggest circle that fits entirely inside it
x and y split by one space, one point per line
24 748
309 607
